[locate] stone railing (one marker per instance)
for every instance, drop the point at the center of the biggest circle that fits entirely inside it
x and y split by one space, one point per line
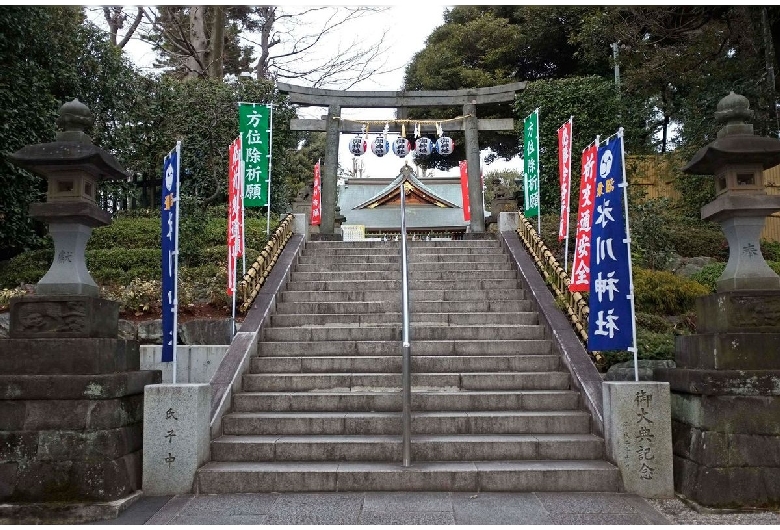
573 304
256 274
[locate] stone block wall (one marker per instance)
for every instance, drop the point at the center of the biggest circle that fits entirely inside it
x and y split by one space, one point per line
71 419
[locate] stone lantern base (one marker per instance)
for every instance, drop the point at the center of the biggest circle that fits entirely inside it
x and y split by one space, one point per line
71 407
726 402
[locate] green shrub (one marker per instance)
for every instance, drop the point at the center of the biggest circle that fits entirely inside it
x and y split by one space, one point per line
28 267
663 293
691 239
650 345
654 323
128 232
650 234
770 250
122 265
709 275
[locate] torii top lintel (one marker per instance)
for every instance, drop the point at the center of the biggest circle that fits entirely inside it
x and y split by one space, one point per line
414 98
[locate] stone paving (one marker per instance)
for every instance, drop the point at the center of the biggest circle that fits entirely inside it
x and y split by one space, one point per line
417 508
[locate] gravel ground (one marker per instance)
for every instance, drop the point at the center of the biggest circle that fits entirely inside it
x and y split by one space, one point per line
678 512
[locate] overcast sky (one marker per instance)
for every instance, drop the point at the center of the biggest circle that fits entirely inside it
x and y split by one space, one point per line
408 26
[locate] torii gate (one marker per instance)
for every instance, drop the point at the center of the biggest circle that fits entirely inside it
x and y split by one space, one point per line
335 100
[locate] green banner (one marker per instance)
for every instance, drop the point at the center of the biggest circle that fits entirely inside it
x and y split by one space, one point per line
531 164
254 124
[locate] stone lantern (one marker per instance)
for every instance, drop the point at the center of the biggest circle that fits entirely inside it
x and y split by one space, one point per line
726 384
72 389
73 166
737 159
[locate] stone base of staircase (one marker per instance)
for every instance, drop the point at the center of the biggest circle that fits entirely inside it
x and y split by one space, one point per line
320 410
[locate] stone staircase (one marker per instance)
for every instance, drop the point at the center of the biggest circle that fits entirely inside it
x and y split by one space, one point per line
492 407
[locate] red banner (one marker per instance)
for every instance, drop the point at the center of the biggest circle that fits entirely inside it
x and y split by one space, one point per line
564 176
580 269
235 225
464 189
316 206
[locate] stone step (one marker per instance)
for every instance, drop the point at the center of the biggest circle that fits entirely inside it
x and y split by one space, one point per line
422 295
472 259
498 475
395 274
315 259
338 266
418 319
438 422
423 331
456 258
395 285
416 307
397 244
297 382
392 363
424 448
390 251
422 400
392 347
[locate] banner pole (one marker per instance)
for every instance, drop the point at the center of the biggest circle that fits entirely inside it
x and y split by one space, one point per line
539 176
243 219
270 165
176 261
235 288
627 241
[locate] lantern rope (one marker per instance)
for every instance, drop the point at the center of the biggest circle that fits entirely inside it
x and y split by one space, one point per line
402 121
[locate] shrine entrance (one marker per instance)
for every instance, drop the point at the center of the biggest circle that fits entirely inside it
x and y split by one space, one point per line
333 125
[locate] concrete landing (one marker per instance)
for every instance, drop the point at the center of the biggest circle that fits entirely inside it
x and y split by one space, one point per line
430 508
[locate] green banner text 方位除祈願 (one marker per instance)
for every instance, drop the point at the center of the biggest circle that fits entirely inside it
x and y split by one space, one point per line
254 126
531 164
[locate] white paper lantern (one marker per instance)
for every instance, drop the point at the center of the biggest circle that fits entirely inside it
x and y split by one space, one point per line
424 146
401 147
358 145
380 146
445 145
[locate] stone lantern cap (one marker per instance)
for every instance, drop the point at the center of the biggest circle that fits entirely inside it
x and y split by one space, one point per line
736 143
73 150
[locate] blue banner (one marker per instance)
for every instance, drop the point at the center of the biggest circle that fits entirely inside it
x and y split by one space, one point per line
170 247
611 321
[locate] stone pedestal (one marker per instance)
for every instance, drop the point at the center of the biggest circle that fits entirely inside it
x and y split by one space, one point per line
726 402
637 432
176 437
71 404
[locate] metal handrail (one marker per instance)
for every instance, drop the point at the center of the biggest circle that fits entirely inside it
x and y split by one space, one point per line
406 381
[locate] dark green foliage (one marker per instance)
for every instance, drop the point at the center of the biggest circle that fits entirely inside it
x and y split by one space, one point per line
128 232
709 275
770 250
560 99
694 238
654 323
651 245
121 265
28 267
663 293
651 345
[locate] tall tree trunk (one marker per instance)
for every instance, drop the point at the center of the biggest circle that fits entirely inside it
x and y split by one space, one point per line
769 55
268 14
217 48
196 63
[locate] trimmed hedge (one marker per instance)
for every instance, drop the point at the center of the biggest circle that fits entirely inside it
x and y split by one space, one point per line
663 293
